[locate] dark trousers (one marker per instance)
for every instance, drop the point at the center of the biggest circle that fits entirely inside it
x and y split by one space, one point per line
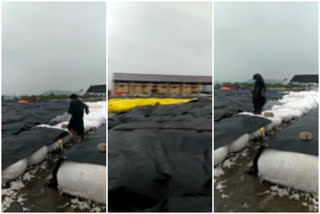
77 125
258 104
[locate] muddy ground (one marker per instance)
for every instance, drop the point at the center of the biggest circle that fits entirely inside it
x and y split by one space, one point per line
236 191
29 193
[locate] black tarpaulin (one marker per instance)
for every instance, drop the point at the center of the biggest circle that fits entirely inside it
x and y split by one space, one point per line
200 109
160 158
158 165
229 129
21 117
288 138
17 147
20 136
229 103
197 125
86 151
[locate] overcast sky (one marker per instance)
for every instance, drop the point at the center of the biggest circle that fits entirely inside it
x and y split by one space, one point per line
275 39
52 46
160 38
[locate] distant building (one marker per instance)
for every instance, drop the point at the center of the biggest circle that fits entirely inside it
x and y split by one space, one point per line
305 80
97 90
155 84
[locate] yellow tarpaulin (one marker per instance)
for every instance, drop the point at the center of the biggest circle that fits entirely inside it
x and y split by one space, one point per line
126 104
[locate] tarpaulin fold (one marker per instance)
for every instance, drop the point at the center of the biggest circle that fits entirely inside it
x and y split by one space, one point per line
288 138
160 158
86 151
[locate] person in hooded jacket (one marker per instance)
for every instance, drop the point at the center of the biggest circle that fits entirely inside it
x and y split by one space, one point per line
76 124
258 94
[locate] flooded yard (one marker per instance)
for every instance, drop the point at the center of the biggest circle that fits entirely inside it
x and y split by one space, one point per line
29 193
237 191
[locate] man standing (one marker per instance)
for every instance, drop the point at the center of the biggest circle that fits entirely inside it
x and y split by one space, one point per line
76 124
259 98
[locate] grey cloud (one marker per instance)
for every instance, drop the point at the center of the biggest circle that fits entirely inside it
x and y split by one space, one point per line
276 39
52 45
160 38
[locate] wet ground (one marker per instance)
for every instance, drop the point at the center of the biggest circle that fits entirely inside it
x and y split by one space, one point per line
236 191
29 193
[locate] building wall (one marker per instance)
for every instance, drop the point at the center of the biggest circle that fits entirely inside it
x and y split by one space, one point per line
147 88
175 89
96 94
136 89
186 89
196 89
130 88
121 87
162 88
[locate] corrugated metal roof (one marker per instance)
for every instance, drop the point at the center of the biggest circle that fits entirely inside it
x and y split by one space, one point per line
97 89
160 78
305 78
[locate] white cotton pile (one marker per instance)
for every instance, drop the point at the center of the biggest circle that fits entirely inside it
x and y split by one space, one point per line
275 122
235 146
239 144
220 154
295 104
292 106
291 169
96 117
15 170
83 180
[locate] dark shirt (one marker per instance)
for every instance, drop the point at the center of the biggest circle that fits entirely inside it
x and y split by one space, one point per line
76 108
259 90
